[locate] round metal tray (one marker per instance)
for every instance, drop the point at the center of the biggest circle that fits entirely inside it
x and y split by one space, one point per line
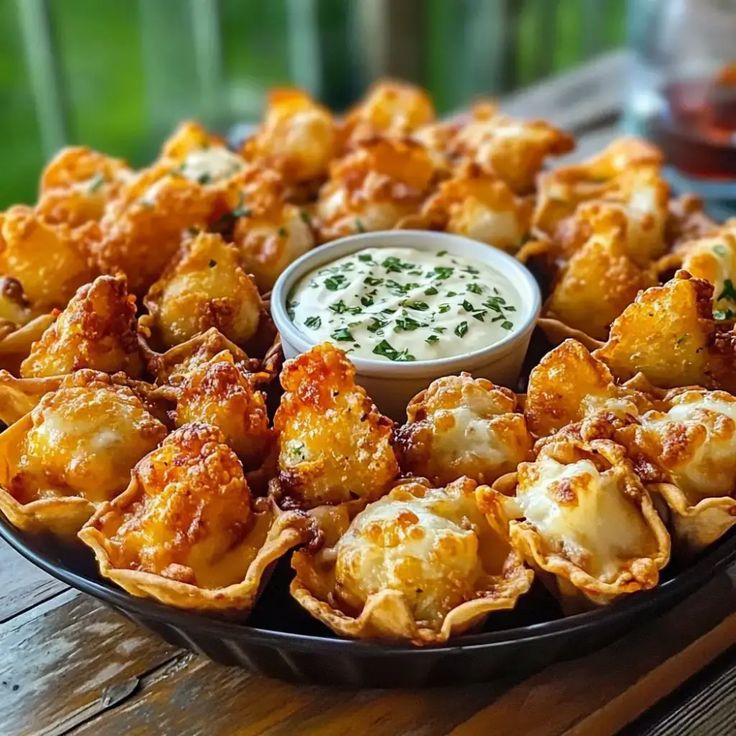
281 640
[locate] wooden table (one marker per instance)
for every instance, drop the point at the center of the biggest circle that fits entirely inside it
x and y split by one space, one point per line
70 666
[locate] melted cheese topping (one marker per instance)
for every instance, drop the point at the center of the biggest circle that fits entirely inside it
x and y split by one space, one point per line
583 513
404 304
403 544
698 439
210 165
84 441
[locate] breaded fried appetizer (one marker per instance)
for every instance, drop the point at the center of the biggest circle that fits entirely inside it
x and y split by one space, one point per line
420 564
693 444
665 334
51 261
580 515
373 187
186 531
221 394
334 445
206 287
570 383
298 137
611 175
390 109
577 299
143 227
513 150
77 184
74 450
269 232
481 207
97 330
463 426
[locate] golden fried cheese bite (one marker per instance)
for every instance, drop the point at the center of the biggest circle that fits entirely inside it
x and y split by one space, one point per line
78 183
419 564
481 207
74 450
694 443
334 445
373 187
713 259
580 515
269 232
186 531
206 287
513 150
665 334
578 300
463 426
298 137
97 330
389 108
143 227
221 394
51 261
569 383
609 175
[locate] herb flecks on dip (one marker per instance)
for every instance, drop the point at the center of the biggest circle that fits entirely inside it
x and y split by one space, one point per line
405 304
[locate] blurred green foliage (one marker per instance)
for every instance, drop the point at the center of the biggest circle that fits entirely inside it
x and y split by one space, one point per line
127 70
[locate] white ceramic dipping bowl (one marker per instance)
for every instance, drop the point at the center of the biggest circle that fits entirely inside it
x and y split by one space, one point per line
392 385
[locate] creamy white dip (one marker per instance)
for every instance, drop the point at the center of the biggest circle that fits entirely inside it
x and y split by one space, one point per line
405 304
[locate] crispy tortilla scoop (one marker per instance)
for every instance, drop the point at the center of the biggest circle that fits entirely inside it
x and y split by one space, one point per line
386 614
575 588
695 526
271 535
18 396
15 345
61 516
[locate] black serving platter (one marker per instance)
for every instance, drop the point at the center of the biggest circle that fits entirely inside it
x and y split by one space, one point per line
281 640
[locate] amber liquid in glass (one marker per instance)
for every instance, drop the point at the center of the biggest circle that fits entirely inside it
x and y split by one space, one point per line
696 127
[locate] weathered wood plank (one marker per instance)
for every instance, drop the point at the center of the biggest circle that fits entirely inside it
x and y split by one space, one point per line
604 692
68 659
597 694
231 701
22 585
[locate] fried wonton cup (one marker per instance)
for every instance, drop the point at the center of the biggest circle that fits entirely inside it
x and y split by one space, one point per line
570 383
334 445
172 367
389 108
268 231
298 137
579 304
18 396
206 287
97 330
16 341
513 150
51 261
142 229
665 334
479 206
74 450
77 184
603 176
420 564
461 426
692 443
373 187
581 517
222 394
186 531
